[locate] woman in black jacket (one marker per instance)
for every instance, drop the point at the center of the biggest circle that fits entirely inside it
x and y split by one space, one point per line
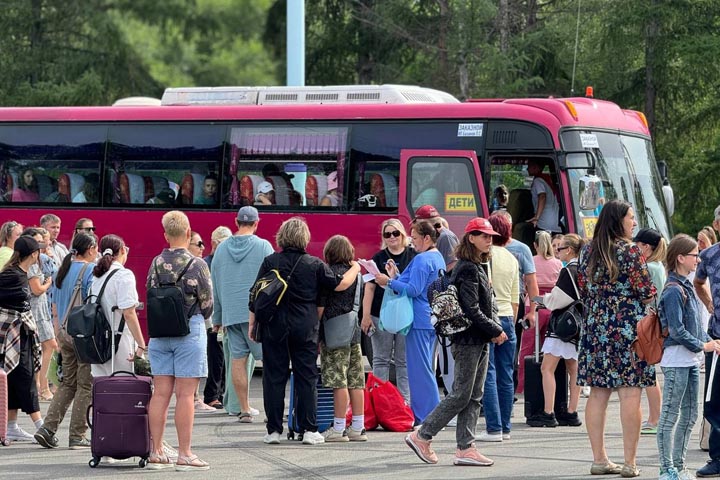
469 349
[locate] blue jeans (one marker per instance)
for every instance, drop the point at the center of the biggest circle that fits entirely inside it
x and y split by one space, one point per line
679 412
499 386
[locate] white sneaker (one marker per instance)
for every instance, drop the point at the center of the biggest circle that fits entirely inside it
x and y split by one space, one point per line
489 437
332 435
506 436
453 422
254 412
272 438
313 438
203 408
686 474
17 434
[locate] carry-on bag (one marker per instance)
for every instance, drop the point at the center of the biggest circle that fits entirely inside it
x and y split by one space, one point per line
3 408
325 409
534 395
119 422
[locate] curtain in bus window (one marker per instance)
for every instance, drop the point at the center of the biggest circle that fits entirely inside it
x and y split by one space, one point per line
293 142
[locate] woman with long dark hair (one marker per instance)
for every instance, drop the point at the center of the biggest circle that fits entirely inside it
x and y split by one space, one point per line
469 349
27 188
77 380
615 284
420 340
119 301
18 337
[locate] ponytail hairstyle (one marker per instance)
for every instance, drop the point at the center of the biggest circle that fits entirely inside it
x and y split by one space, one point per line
659 253
425 229
110 248
81 243
543 244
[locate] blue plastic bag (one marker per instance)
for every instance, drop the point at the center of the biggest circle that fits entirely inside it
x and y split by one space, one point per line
396 312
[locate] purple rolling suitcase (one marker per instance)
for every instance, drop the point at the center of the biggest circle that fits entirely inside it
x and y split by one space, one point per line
3 408
119 422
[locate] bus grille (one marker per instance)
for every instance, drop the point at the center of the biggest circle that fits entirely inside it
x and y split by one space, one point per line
507 137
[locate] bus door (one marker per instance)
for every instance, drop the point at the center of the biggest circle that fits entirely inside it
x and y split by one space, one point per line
449 180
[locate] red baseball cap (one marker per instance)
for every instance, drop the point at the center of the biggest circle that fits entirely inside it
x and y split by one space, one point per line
425 212
479 224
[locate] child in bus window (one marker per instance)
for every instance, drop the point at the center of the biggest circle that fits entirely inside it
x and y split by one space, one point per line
209 190
265 195
27 189
331 199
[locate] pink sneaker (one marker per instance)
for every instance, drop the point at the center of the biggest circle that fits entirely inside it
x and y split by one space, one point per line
421 448
470 456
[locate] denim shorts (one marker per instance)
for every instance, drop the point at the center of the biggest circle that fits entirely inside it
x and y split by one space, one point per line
181 357
240 344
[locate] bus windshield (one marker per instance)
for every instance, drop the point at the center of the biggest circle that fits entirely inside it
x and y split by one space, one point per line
626 166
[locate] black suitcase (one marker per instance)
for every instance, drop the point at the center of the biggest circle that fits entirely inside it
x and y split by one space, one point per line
534 396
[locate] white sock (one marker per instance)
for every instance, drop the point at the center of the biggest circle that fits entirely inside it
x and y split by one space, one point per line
339 424
12 425
38 423
358 422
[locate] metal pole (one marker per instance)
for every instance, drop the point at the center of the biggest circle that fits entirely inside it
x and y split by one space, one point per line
295 43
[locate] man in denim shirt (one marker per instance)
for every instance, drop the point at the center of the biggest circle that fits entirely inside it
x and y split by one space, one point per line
710 268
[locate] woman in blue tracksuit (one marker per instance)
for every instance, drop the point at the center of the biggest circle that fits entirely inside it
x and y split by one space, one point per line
420 342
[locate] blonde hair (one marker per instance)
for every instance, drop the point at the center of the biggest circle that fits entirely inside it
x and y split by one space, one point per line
338 250
175 223
293 233
659 253
393 222
220 234
574 241
543 241
709 235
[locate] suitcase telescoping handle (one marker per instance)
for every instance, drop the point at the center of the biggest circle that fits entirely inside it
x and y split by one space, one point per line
537 335
123 371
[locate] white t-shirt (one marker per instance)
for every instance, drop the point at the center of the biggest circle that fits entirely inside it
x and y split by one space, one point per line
549 219
679 356
120 291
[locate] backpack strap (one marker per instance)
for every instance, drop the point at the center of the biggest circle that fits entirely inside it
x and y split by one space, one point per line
682 290
77 290
102 289
293 269
184 270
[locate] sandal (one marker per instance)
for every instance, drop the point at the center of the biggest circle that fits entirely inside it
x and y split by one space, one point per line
245 417
46 395
191 464
158 462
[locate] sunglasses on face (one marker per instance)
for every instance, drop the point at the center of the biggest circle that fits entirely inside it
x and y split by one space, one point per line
394 233
199 244
438 226
560 249
86 229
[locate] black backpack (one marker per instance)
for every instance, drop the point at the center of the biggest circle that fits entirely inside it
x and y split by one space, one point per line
91 331
166 308
268 292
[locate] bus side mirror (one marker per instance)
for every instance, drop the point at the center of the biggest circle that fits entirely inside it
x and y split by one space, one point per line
669 195
591 192
662 169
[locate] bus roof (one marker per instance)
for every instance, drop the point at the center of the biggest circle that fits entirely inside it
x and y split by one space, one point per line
554 113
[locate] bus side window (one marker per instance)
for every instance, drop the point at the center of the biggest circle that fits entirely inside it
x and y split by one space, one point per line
385 187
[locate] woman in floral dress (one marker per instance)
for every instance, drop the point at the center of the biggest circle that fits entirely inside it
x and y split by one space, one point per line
615 285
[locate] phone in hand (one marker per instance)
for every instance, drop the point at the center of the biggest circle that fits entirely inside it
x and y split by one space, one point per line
525 323
371 331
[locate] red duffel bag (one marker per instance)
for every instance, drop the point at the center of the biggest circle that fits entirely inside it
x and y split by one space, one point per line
392 413
370 420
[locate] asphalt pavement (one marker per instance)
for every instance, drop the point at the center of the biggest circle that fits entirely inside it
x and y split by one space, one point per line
236 451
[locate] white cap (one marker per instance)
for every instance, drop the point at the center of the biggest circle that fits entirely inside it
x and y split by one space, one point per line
265 187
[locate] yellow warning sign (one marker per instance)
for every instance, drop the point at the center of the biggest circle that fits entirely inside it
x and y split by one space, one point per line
589 226
460 202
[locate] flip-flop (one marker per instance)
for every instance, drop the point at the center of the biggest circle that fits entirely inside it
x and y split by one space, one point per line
245 417
158 462
191 464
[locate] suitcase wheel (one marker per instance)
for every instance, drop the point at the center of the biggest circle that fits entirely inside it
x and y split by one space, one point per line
143 462
5 442
94 462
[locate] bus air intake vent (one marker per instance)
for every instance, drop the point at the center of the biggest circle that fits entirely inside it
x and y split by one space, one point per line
322 97
417 97
363 97
505 137
281 97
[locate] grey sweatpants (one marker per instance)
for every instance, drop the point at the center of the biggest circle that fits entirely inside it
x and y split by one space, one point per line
471 363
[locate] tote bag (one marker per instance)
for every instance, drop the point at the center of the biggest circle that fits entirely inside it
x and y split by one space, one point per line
396 312
339 330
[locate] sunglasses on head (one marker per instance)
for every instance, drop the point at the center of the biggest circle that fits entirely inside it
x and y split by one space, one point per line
394 233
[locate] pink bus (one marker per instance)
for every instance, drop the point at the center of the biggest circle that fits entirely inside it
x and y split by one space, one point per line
372 152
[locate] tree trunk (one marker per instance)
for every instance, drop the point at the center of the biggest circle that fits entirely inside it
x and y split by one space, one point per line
36 39
504 26
366 42
651 37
